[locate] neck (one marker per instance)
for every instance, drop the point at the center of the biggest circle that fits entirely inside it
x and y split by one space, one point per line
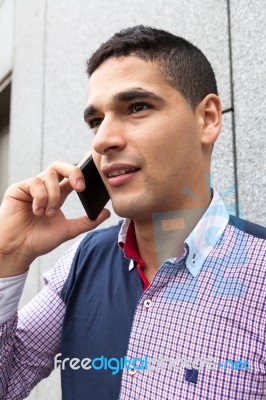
162 236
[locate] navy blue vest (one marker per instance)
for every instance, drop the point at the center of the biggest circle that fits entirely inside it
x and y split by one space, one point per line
101 295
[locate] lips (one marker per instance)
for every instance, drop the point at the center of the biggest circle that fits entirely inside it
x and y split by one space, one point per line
121 171
119 174
118 169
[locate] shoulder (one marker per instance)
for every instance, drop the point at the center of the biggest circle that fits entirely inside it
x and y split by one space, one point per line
98 242
98 245
247 227
98 259
246 242
55 278
102 236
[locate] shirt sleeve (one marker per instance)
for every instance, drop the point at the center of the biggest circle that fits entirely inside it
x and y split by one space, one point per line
10 293
30 339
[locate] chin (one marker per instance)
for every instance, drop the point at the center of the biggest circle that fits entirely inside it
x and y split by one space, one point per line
135 209
124 212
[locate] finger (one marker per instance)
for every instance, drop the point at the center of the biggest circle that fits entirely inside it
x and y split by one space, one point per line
51 182
67 186
73 173
33 190
60 179
84 224
66 189
65 170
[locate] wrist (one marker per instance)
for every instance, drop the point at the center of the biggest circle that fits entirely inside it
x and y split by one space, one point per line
13 265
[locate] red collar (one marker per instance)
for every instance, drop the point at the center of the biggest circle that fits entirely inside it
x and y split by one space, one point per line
130 249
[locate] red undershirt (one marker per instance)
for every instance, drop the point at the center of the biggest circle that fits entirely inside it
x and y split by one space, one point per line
130 249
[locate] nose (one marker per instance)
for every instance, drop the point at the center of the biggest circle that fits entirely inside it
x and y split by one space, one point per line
110 137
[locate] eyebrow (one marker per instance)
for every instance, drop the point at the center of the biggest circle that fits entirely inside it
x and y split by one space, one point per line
136 93
89 112
128 95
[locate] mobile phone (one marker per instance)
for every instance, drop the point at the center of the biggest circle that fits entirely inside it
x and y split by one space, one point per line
95 195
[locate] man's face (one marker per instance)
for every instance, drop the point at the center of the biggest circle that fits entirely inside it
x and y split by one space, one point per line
146 138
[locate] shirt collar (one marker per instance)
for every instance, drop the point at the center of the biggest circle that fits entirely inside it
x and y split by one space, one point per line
127 242
206 234
199 243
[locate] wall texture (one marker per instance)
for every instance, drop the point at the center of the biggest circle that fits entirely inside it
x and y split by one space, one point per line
45 44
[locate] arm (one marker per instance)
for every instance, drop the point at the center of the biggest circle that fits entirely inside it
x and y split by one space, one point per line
27 356
30 339
31 220
28 228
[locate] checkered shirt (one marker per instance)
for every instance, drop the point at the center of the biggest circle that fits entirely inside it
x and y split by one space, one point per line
208 305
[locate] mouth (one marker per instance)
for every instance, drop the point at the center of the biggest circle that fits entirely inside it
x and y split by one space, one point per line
122 171
118 174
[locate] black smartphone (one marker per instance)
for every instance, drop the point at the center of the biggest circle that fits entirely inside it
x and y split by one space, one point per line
95 195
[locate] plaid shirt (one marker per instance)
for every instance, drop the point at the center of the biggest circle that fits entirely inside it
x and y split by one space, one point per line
200 323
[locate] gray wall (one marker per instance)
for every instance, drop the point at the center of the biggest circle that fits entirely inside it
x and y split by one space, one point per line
45 44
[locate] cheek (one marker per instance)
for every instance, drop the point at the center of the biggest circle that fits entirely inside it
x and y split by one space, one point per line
164 143
171 151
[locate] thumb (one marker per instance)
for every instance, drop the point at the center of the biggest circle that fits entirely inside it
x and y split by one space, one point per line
83 224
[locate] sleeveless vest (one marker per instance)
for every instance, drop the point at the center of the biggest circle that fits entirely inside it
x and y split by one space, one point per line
101 295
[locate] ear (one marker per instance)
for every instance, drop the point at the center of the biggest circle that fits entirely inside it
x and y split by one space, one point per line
210 112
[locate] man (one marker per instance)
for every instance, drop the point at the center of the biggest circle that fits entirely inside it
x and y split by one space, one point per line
176 309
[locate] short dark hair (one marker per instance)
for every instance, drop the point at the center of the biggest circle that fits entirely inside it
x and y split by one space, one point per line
183 65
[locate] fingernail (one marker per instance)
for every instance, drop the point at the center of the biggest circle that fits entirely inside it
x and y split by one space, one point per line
80 182
51 212
40 210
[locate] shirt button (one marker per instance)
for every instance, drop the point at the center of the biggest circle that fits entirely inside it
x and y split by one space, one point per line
147 303
132 372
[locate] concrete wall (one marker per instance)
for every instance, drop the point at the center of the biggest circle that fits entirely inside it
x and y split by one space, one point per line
45 44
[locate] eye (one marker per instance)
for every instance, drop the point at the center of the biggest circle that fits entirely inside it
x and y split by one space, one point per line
95 122
137 107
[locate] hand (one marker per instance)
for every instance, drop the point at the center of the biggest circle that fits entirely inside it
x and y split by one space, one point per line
31 221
